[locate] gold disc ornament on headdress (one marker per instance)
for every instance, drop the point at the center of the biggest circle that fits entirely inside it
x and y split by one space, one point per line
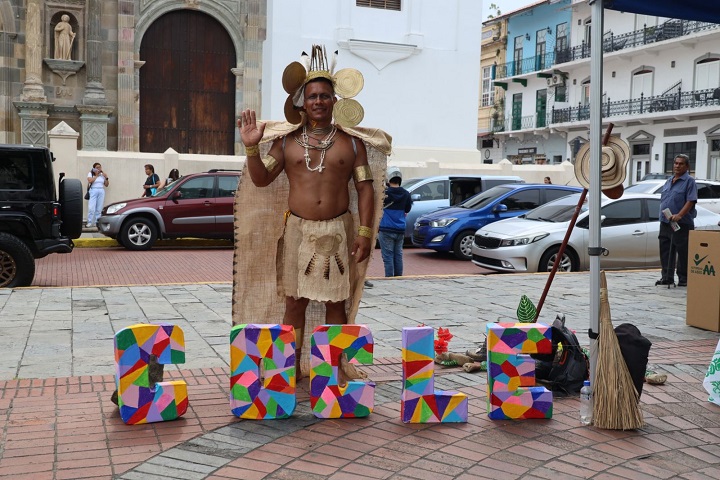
348 112
347 83
293 77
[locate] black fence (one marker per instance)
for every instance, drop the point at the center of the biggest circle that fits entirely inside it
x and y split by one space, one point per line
658 103
611 43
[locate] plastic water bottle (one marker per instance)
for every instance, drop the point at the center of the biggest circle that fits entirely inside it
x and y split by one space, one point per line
586 403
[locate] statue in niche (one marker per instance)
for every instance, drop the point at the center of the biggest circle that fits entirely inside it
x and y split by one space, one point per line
64 37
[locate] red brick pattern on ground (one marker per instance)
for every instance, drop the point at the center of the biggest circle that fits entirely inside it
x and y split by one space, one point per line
67 428
118 266
688 352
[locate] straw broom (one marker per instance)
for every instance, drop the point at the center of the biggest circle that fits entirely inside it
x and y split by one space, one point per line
615 405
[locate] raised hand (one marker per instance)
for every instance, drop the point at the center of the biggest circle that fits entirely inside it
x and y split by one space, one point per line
250 132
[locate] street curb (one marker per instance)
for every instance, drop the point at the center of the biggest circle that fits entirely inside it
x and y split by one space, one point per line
179 242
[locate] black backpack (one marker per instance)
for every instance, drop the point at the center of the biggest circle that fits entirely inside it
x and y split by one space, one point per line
563 371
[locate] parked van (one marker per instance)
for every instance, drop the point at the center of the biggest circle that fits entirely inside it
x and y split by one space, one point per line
433 193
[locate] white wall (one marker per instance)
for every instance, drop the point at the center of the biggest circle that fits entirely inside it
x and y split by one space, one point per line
426 101
125 170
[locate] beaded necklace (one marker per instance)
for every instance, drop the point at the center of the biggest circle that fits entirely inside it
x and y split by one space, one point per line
323 145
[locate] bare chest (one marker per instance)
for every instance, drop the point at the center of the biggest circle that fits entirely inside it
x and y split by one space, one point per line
312 155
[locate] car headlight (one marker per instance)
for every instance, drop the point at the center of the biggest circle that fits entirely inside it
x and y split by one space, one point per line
513 242
115 207
443 222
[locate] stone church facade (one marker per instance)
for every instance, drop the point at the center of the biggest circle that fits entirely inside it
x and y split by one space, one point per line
97 90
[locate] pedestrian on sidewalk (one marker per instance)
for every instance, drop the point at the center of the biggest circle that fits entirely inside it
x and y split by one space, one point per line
679 195
172 176
97 181
396 206
151 183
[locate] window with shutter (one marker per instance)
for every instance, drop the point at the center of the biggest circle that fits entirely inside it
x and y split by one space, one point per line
381 4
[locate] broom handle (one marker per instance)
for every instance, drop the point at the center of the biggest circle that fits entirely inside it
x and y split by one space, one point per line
565 241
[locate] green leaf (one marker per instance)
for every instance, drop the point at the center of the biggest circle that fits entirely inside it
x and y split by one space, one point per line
526 311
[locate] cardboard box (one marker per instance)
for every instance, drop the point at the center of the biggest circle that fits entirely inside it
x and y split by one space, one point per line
703 297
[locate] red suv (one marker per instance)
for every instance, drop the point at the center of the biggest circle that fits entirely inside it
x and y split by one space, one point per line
199 205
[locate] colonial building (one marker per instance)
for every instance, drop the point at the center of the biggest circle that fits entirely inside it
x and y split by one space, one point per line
661 87
535 33
492 98
148 75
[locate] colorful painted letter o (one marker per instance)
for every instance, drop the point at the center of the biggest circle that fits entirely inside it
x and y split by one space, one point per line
139 401
327 398
258 348
420 402
512 393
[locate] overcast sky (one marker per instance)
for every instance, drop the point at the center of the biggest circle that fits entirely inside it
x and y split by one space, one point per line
504 5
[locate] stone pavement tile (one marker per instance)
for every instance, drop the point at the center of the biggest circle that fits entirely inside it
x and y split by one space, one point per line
504 470
704 474
39 465
702 455
311 467
381 462
235 473
443 460
480 445
421 473
365 471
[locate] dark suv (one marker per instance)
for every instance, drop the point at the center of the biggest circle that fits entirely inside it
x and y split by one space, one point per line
199 205
34 220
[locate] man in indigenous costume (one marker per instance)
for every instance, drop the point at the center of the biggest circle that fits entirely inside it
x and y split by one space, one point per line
306 212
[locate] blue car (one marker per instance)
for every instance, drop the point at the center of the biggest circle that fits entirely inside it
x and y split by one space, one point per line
452 229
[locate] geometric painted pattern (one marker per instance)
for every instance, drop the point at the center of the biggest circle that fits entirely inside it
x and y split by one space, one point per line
139 401
420 402
512 393
327 398
262 366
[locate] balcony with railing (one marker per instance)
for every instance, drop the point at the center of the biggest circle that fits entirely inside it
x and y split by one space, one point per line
518 123
611 43
671 102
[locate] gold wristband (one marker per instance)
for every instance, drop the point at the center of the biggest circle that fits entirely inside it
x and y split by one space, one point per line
365 232
252 150
269 162
362 173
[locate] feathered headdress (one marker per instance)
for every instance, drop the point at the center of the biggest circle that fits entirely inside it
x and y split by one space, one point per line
347 83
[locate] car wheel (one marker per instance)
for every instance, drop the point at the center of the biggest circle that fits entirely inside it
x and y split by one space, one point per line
138 234
71 207
462 246
119 240
568 262
17 265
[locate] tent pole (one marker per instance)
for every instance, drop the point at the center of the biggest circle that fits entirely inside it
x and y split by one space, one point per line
596 87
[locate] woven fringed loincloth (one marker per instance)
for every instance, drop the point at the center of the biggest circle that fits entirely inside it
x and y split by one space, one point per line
316 258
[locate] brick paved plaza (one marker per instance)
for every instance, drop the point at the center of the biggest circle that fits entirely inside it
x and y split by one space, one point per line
57 377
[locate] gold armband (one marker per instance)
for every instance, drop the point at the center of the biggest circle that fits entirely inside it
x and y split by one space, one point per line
252 150
365 232
269 162
362 173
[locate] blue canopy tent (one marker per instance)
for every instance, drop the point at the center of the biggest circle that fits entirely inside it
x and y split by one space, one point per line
701 10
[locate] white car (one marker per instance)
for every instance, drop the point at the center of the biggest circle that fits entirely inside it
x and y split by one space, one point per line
531 242
708 191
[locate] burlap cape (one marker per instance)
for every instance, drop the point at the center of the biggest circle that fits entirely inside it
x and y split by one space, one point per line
258 225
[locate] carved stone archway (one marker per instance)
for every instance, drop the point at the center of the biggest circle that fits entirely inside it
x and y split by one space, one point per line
245 22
